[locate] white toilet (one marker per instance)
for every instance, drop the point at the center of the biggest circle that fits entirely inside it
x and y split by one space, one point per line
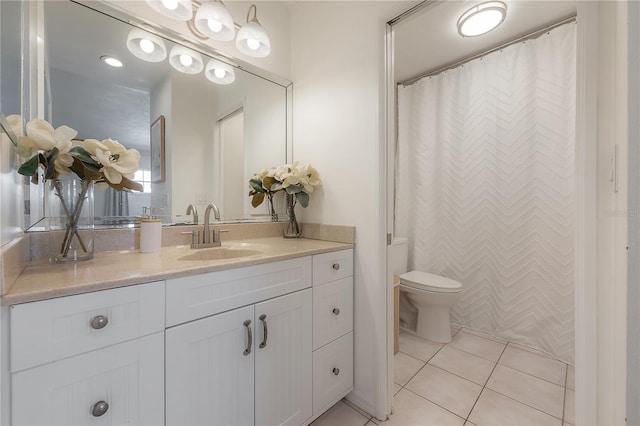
429 295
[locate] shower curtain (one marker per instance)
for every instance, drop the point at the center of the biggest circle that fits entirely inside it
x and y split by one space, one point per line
485 188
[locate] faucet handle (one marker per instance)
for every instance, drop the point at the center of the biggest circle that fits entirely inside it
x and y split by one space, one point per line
195 237
216 234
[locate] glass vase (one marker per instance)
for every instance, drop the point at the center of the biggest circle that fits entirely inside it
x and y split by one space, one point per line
70 219
272 209
293 228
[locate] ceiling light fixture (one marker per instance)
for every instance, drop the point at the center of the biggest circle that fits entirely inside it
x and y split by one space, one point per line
182 10
482 18
252 39
214 20
145 46
218 72
186 60
111 61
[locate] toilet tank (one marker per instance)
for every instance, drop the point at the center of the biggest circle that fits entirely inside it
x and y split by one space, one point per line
399 255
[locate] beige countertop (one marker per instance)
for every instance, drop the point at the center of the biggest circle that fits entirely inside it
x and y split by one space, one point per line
43 280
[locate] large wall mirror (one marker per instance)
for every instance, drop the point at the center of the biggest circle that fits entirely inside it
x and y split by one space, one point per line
200 141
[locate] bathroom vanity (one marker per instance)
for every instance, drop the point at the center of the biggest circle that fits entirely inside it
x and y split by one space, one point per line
163 338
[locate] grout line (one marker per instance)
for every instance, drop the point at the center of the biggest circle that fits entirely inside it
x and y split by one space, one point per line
524 403
485 384
564 401
436 404
367 416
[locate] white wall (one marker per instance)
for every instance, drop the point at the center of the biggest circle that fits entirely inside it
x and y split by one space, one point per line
337 63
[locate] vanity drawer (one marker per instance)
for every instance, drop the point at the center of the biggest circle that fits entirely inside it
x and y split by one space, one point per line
332 266
49 330
199 296
332 311
332 373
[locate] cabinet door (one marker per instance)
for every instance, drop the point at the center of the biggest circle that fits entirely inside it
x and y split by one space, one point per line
209 377
117 385
284 360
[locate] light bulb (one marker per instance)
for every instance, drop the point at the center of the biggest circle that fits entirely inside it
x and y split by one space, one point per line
147 46
186 60
219 72
253 44
214 25
170 4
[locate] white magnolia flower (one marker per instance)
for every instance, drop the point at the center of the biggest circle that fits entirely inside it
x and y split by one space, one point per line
309 176
116 160
41 136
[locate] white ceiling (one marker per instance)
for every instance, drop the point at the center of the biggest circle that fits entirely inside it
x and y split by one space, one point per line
429 39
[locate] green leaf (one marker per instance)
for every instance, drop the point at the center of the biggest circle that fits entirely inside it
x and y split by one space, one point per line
294 189
257 199
256 184
268 182
303 198
30 167
277 186
83 155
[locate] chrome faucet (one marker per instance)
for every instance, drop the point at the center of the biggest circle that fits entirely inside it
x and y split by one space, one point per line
206 238
191 209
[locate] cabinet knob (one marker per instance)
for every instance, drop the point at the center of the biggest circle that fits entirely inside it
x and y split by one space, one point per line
336 266
99 321
336 371
99 408
336 311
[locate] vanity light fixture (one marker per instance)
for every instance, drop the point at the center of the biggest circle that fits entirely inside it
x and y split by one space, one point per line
182 10
111 61
252 39
145 46
482 18
218 72
214 21
185 60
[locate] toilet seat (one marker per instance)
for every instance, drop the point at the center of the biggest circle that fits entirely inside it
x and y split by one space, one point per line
430 282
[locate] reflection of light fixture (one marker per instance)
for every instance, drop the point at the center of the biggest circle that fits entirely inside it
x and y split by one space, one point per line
218 72
252 39
215 21
176 9
482 18
146 46
111 61
185 60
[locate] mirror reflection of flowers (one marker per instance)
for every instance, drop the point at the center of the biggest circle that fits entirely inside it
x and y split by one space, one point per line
107 163
297 179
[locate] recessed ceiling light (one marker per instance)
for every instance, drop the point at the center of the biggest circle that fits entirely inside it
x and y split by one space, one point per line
482 18
111 61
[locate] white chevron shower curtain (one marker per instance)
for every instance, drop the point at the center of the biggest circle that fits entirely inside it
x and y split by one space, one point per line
485 188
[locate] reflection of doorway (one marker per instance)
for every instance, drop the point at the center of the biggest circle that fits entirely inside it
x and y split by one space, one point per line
234 185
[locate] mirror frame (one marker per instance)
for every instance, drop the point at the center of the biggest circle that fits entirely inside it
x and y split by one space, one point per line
113 11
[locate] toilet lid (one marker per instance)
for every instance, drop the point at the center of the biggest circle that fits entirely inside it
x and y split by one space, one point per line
431 282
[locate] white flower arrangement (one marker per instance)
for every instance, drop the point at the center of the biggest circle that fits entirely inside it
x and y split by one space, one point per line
297 179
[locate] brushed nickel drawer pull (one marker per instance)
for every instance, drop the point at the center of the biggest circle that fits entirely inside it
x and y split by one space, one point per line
336 266
263 318
247 350
336 371
336 311
99 322
99 408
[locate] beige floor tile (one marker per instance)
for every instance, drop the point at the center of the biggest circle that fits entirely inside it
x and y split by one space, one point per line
530 349
530 390
445 389
410 410
493 409
455 329
404 367
570 407
476 345
396 388
417 347
571 377
341 415
463 364
483 334
370 423
540 366
355 407
468 423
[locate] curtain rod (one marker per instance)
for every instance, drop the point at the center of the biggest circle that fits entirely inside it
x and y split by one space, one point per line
415 9
530 36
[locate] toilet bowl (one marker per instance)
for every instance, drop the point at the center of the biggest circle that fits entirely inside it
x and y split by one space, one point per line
432 295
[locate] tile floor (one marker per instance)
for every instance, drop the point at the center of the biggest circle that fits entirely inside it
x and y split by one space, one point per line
474 380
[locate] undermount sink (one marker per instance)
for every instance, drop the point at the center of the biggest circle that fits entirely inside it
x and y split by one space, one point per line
220 253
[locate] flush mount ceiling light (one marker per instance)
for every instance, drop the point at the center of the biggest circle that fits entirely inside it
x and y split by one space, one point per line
214 20
252 39
218 72
146 46
111 61
185 60
482 18
182 10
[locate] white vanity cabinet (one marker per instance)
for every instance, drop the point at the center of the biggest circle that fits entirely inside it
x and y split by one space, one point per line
95 358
